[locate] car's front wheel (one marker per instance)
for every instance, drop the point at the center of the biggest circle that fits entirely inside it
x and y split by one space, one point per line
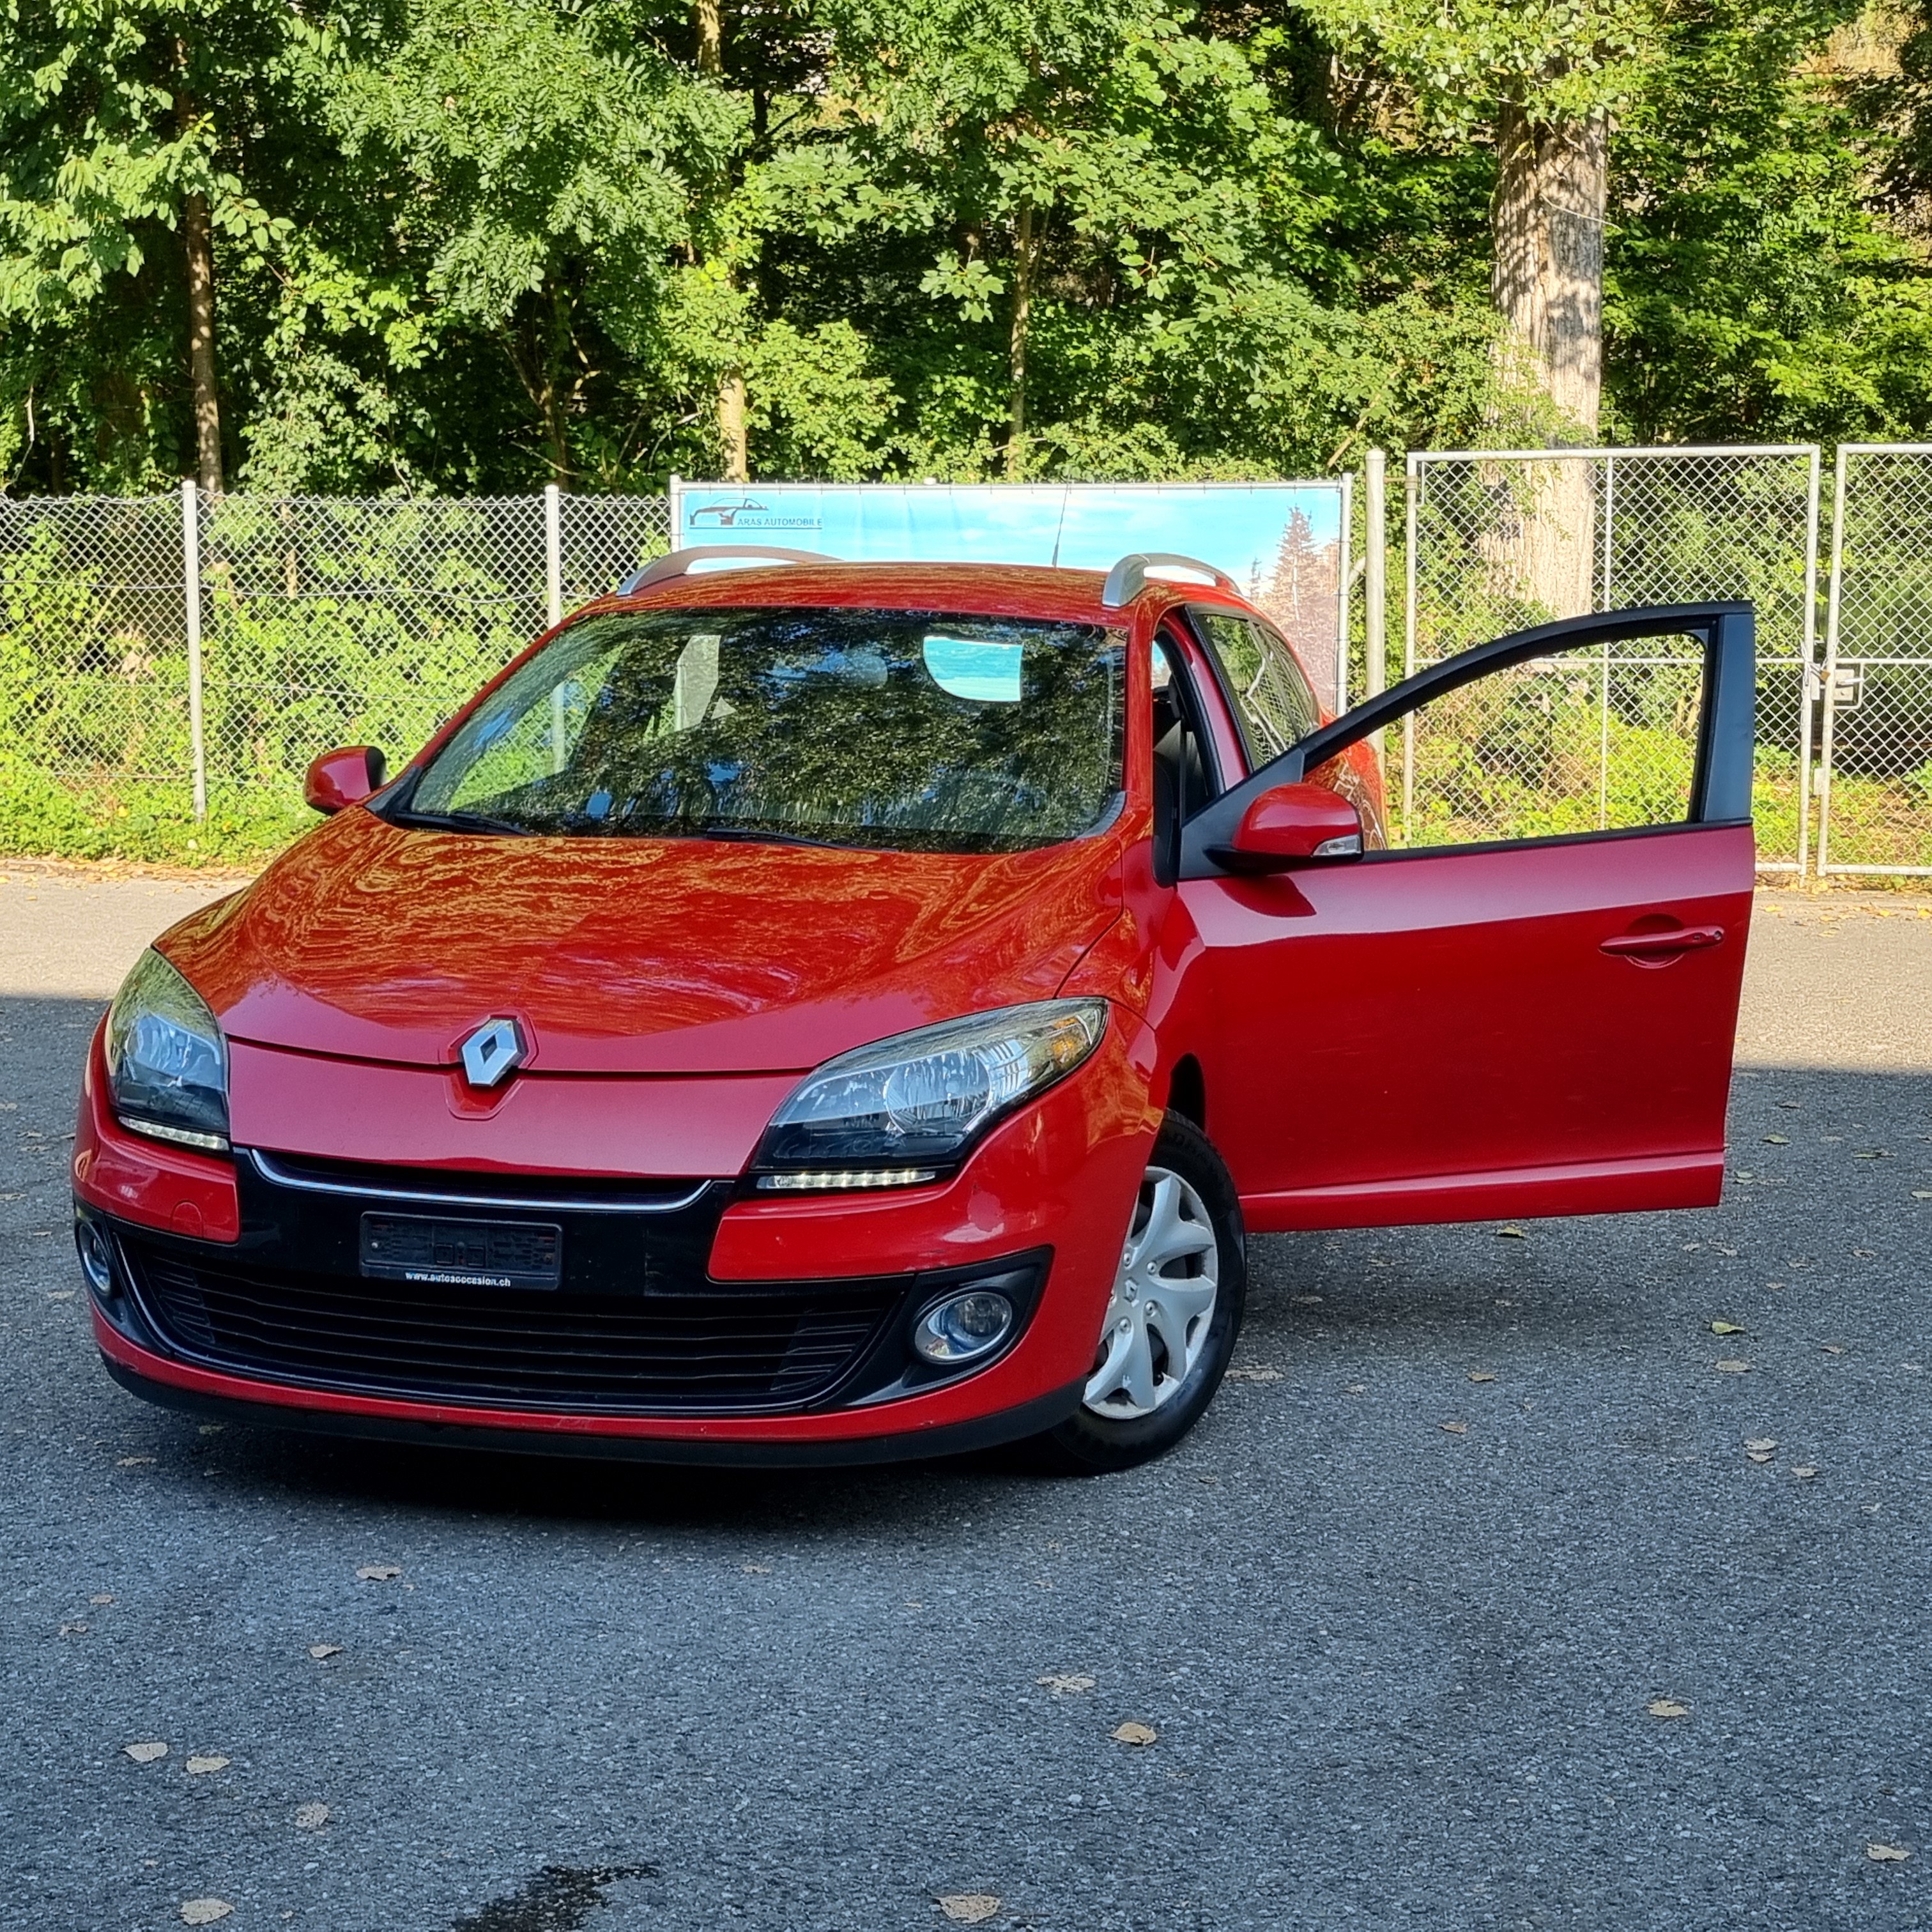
1173 1317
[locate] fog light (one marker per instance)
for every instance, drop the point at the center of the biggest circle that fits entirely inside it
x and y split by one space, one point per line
97 1257
963 1326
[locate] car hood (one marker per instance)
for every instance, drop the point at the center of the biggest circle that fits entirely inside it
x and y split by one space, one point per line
375 942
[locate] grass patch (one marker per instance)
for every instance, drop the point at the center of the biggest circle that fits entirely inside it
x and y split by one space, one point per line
46 816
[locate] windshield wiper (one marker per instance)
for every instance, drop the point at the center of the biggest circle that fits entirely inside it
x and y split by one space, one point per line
464 821
746 835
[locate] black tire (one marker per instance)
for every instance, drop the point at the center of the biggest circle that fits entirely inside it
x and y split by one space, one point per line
1087 1444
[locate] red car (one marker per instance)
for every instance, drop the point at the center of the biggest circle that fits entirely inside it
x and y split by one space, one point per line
802 1012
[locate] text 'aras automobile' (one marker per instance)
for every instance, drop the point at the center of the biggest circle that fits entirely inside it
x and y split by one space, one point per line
804 1011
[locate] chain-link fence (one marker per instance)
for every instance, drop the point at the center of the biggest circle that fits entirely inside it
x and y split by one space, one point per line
92 636
1498 540
1875 769
163 653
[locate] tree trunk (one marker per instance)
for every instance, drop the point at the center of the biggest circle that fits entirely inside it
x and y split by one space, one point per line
1553 186
707 20
198 252
1016 347
198 244
1546 281
731 425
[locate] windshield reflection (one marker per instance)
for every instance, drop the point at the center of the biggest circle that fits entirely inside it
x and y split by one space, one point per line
930 731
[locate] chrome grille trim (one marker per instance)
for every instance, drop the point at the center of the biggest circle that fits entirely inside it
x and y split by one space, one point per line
266 1167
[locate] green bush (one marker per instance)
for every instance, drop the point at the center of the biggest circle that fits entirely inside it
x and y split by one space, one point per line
323 625
44 816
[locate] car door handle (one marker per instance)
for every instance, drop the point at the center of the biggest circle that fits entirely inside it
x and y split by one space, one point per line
1666 945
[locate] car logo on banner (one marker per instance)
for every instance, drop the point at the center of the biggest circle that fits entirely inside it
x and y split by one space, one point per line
493 1052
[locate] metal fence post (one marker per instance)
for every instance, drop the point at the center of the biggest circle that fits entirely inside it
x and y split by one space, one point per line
1374 577
559 715
1610 528
1825 683
553 551
1412 493
1345 587
190 499
1806 677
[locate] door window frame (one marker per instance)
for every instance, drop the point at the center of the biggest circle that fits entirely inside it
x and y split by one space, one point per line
1720 786
1187 662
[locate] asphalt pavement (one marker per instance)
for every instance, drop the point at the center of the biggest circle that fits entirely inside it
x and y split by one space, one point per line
1467 1606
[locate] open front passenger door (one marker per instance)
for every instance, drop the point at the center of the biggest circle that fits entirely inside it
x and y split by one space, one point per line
1536 1023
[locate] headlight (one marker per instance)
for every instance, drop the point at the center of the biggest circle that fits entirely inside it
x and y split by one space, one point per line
893 1113
167 1063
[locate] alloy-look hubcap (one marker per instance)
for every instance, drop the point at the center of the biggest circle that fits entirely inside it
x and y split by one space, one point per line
1163 1301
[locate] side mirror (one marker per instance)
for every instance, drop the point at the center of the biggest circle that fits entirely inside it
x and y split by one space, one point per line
344 777
1292 825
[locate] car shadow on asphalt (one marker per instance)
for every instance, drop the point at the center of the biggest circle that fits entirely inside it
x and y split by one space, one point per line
1819 1163
1824 1165
584 1489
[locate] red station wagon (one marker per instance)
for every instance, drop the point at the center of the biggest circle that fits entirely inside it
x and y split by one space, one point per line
809 1011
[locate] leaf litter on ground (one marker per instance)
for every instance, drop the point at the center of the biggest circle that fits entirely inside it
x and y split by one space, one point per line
968 1908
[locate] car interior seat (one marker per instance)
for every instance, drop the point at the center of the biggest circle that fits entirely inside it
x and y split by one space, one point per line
1179 773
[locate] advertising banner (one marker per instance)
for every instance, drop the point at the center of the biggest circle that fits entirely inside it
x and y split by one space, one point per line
1284 543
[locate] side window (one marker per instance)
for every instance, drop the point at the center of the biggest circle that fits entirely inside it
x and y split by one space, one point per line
1273 699
1602 737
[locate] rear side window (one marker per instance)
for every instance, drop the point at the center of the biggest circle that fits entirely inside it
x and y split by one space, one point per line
1272 698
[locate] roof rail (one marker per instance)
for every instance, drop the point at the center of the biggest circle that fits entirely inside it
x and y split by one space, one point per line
1129 577
680 563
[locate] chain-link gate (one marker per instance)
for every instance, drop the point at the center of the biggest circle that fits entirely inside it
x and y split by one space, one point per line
1875 766
1498 540
157 649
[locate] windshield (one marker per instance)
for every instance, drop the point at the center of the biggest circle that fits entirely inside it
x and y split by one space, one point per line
919 730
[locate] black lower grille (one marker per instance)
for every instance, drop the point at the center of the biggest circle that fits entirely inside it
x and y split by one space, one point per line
655 1353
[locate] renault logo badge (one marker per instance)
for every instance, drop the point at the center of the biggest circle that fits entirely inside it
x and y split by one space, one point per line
493 1052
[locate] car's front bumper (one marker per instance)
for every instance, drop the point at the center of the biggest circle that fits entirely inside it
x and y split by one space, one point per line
690 1323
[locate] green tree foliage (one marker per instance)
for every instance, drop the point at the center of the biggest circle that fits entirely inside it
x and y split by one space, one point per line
112 117
476 245
1755 293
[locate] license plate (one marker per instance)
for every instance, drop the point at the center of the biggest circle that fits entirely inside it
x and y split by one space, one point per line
462 1254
